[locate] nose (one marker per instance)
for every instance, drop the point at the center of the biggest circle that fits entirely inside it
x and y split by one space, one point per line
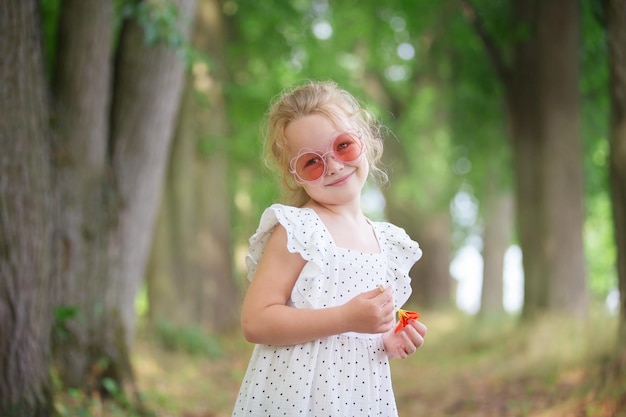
333 164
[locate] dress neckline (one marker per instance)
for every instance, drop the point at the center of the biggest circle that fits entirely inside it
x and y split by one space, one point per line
332 240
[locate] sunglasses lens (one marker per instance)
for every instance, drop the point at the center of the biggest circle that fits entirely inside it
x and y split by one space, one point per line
310 166
347 147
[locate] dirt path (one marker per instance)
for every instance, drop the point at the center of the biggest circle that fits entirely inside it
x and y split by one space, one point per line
460 372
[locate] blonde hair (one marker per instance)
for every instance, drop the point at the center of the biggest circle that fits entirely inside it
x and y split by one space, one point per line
323 98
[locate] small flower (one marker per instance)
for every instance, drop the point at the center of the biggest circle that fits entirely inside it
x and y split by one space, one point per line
403 318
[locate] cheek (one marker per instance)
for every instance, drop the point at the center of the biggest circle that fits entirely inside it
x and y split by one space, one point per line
364 166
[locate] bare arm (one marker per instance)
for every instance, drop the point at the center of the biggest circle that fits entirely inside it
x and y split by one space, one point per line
266 319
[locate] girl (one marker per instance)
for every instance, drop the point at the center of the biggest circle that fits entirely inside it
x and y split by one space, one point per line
325 281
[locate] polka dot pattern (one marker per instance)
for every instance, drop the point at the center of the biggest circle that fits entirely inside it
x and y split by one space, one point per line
342 375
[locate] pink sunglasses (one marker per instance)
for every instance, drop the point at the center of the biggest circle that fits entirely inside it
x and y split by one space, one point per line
309 166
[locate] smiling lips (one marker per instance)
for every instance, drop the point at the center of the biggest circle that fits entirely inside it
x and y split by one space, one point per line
341 180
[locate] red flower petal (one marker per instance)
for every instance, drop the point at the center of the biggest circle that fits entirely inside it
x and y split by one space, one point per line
403 318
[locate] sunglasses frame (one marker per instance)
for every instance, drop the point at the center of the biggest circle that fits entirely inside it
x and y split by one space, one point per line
304 151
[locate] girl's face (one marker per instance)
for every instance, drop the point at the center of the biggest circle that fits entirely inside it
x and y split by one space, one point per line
341 182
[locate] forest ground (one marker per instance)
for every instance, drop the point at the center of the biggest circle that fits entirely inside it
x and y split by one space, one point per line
467 368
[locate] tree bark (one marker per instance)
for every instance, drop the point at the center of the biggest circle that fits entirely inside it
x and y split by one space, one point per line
148 86
26 209
109 162
616 40
521 96
558 34
81 166
543 107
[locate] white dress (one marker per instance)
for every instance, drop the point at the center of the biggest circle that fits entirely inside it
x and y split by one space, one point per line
342 375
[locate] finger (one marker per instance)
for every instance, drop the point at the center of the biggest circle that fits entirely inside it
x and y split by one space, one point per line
378 291
419 327
384 297
413 335
408 344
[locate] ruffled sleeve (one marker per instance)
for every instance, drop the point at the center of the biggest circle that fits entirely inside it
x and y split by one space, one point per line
302 234
307 236
402 253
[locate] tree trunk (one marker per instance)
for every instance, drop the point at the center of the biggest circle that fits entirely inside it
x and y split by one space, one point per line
616 40
496 239
148 85
82 95
198 197
558 33
521 96
109 163
26 207
544 106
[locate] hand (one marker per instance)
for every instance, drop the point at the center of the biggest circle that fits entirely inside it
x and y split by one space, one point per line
406 341
371 311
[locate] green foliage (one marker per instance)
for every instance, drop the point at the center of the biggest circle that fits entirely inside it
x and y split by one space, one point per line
189 339
50 11
78 404
160 21
479 124
600 247
63 314
466 367
73 402
142 303
594 84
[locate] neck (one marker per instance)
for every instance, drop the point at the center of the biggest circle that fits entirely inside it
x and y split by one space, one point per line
352 210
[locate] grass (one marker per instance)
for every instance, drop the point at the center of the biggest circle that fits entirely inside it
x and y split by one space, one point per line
554 367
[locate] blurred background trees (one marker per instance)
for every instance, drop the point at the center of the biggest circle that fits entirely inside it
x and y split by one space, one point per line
131 179
614 17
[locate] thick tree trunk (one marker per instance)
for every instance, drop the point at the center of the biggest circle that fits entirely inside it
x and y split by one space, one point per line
544 106
558 35
198 199
496 240
526 142
148 85
616 39
110 159
26 209
82 95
